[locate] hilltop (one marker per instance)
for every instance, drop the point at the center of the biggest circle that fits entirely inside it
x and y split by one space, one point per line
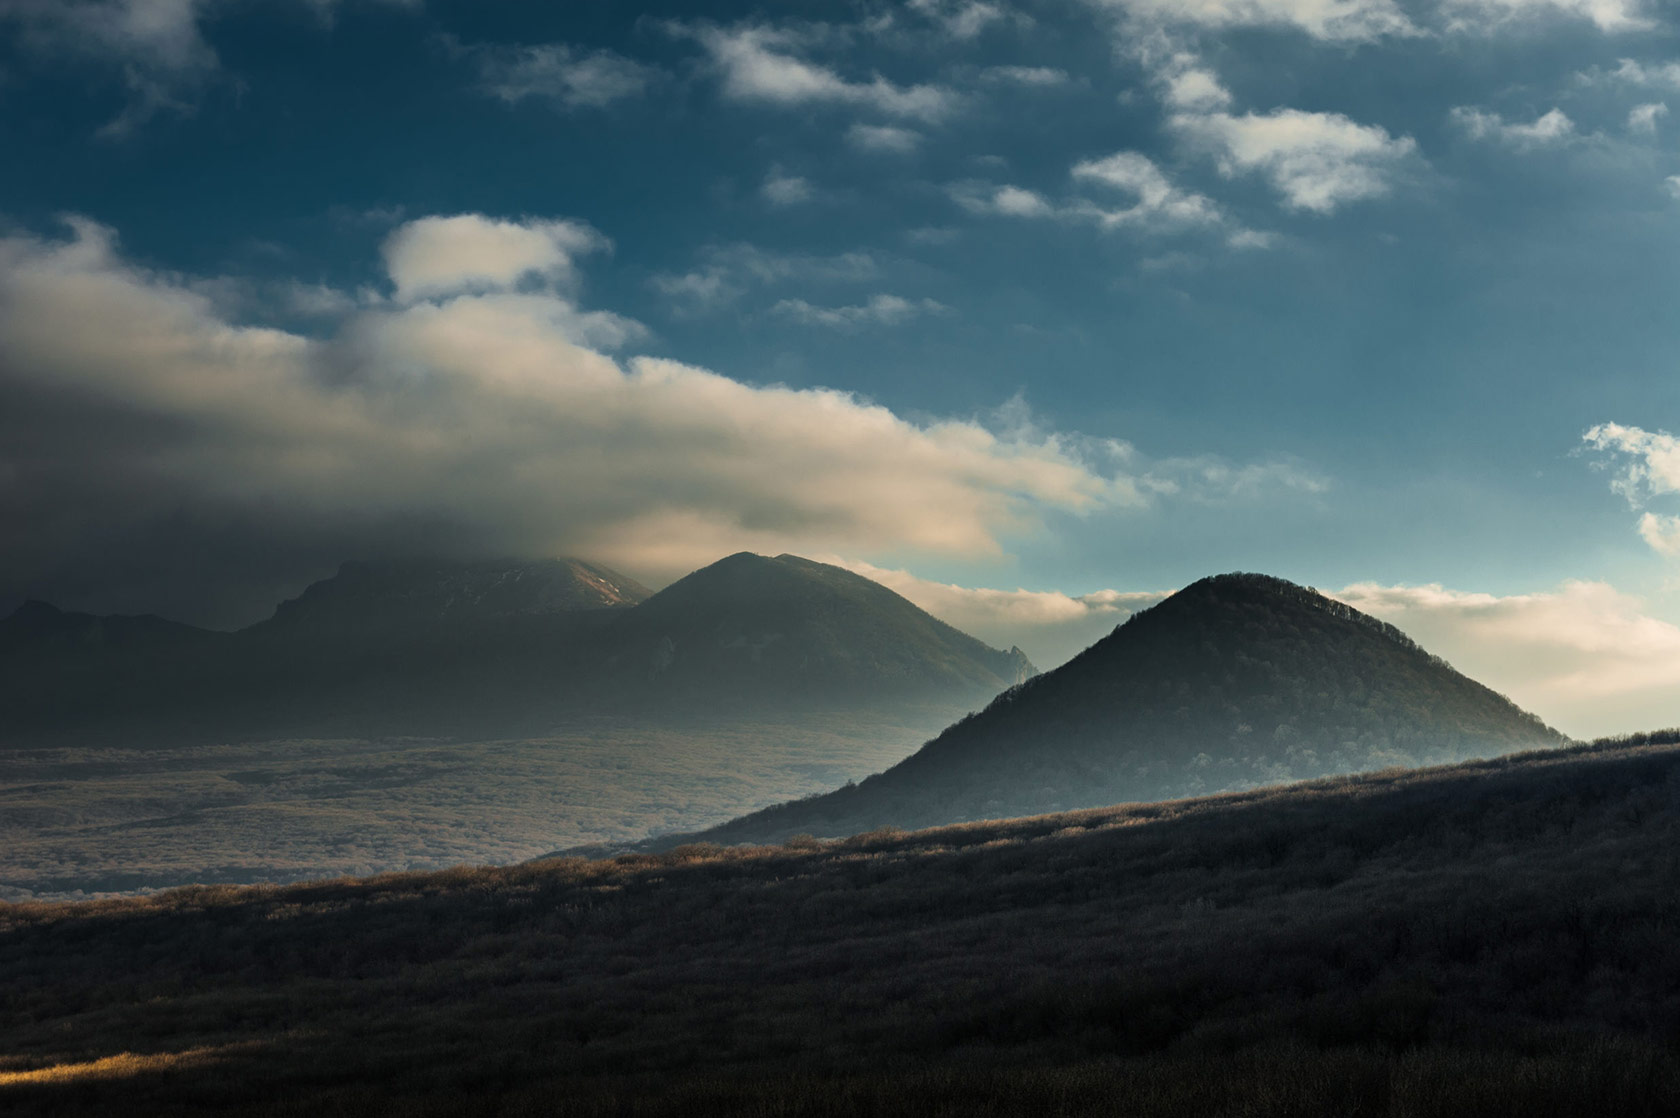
1235 681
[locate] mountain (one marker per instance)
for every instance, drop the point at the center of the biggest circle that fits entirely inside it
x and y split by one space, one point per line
1235 681
494 649
795 631
38 629
367 597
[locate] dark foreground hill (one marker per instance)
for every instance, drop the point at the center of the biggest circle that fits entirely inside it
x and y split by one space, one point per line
1499 939
1236 681
494 649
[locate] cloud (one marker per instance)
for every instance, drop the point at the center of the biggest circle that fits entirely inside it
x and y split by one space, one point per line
1650 467
883 138
879 310
758 64
1643 118
156 46
1158 203
1486 16
567 76
1158 206
1585 657
1333 20
1672 185
1049 626
1042 77
1547 130
441 255
1629 71
151 446
727 271
1195 90
786 190
963 19
1651 459
1316 161
1003 201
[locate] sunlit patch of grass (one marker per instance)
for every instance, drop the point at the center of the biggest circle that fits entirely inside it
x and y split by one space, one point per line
123 1065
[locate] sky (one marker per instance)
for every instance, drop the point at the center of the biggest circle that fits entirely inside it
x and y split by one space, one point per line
1034 311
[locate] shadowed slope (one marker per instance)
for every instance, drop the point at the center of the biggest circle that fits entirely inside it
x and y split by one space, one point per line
1235 681
796 630
1496 939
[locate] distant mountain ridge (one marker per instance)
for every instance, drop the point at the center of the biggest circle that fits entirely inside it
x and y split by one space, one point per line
503 648
801 627
410 593
1235 681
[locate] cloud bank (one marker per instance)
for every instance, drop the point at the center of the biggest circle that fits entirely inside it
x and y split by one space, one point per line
1585 657
476 409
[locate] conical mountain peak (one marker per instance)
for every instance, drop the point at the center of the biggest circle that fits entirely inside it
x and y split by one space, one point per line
1235 681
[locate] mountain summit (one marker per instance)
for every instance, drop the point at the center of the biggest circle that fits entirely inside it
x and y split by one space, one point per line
1235 681
799 630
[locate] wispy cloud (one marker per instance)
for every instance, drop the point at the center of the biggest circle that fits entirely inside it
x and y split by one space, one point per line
1549 129
1316 161
878 310
884 138
561 74
761 64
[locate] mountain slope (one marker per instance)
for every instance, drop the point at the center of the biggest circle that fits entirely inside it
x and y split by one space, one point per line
368 597
1235 681
497 649
794 630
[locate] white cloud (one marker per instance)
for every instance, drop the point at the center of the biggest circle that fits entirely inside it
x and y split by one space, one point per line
1662 533
1490 15
1650 467
1049 626
786 190
565 75
1159 204
492 416
1195 90
878 310
1643 118
758 65
1335 20
440 255
962 19
1672 185
1652 459
1003 201
1585 657
1317 161
1551 128
883 138
1631 72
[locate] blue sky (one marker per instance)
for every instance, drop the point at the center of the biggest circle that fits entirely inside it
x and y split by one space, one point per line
1023 307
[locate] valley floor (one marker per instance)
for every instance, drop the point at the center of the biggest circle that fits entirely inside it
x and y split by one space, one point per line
1501 938
83 821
